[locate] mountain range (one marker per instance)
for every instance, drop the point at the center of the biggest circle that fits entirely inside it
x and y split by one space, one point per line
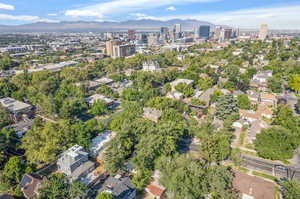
92 26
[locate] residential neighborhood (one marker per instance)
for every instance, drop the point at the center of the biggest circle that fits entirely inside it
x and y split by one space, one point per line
167 114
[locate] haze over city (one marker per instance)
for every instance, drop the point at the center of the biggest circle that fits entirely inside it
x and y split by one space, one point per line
279 14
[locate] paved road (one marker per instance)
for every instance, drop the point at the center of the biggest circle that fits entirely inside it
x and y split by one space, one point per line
270 167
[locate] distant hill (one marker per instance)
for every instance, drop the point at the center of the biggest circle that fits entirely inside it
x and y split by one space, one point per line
91 26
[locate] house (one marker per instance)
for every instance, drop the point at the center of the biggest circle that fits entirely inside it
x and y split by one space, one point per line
16 108
253 96
256 128
21 127
6 196
236 93
99 143
74 163
262 111
30 184
260 79
151 66
249 115
104 80
97 97
178 81
265 111
90 85
240 123
175 95
252 187
290 100
268 99
155 189
120 187
152 114
205 97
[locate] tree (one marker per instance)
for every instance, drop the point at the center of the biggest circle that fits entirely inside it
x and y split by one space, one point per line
226 106
284 116
72 107
243 102
290 189
184 88
275 84
220 179
4 117
215 96
183 177
43 142
107 91
141 179
56 187
215 148
276 143
99 108
205 83
294 83
298 105
8 142
189 178
105 195
14 170
78 190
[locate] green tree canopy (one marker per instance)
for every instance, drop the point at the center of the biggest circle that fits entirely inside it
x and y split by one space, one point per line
243 102
226 106
276 143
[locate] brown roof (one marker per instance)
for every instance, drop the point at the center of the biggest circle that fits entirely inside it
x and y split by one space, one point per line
253 186
155 190
30 184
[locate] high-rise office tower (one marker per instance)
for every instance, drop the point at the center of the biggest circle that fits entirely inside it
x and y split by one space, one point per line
263 32
123 50
177 28
131 34
164 32
110 45
228 33
217 32
203 32
177 31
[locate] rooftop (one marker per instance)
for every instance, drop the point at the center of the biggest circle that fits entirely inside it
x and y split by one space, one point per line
14 105
253 186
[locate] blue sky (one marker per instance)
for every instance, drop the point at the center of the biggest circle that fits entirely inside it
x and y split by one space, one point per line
283 14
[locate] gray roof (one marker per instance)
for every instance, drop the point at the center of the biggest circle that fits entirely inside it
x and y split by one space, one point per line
119 187
82 170
13 105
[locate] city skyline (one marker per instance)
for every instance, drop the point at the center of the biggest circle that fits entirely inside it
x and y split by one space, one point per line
278 14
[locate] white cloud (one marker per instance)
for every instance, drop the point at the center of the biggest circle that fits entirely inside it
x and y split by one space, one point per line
286 17
25 18
52 14
6 6
171 8
119 7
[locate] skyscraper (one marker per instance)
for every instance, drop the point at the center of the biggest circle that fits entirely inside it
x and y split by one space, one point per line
263 33
177 31
131 34
164 30
177 28
110 45
203 32
123 50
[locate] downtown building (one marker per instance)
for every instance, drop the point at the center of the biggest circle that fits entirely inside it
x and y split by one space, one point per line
263 32
204 32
